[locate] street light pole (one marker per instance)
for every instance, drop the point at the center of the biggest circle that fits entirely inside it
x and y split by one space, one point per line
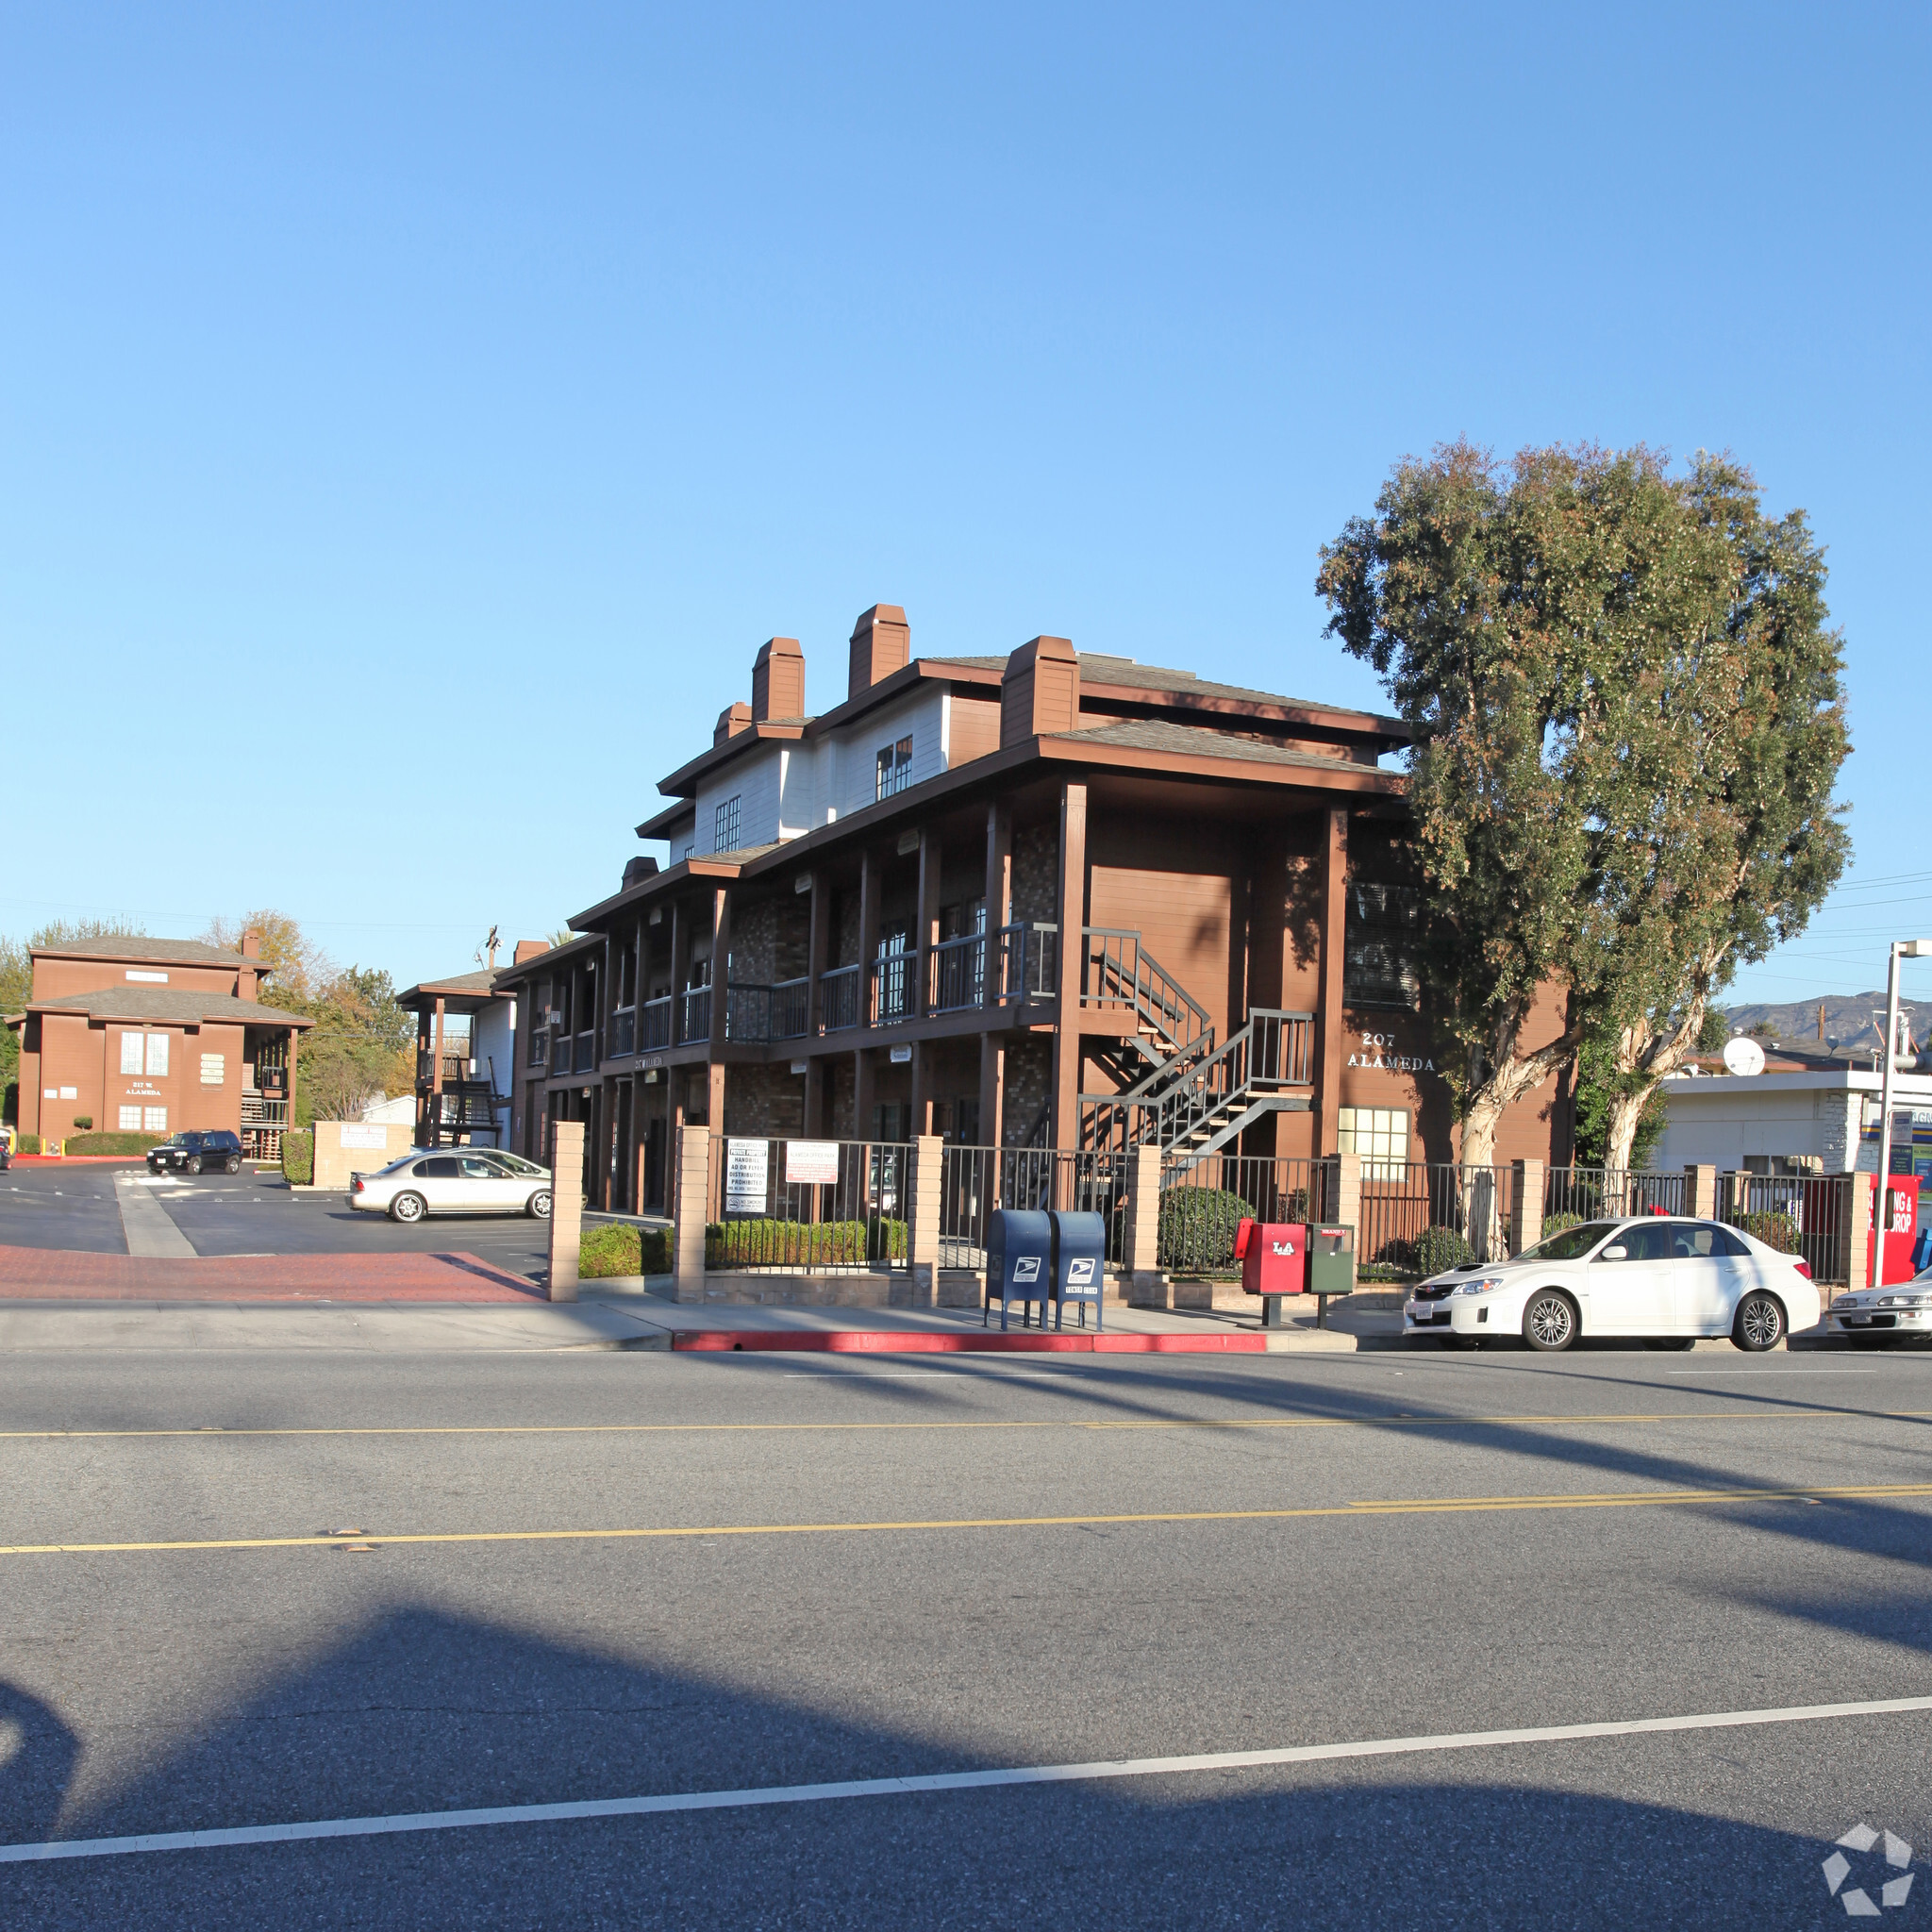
1901 949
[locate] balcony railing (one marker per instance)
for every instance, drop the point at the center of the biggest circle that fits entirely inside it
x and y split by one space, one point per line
957 979
539 1047
1029 963
892 988
653 1029
559 1052
454 1068
257 1110
839 999
623 1032
695 1022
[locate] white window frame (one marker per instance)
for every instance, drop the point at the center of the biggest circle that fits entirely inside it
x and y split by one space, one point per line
892 768
157 1056
153 1120
131 1052
130 1119
1380 1136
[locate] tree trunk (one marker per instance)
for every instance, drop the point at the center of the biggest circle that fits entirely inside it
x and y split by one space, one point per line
1509 1081
1626 1109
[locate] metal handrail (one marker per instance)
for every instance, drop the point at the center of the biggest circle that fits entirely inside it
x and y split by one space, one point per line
694 1022
956 976
839 999
892 986
653 1029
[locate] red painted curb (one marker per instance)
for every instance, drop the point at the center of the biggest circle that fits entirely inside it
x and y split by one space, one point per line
916 1341
77 1159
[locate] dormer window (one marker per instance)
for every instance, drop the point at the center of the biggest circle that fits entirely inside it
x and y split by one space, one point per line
724 824
896 768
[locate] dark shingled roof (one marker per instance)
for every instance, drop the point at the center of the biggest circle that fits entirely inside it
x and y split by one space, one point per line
1096 668
165 952
176 1006
1192 741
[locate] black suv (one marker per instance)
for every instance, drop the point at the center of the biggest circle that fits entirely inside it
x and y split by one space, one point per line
193 1149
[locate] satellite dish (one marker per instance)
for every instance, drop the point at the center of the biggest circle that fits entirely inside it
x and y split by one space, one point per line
1743 1056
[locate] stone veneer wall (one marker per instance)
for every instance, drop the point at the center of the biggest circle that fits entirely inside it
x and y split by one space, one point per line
1029 1081
755 944
765 1101
1036 873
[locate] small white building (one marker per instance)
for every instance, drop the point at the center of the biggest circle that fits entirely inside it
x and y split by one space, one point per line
1815 1121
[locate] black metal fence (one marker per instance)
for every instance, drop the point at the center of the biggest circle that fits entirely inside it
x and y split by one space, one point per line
807 1206
1419 1217
1800 1214
974 1182
1204 1199
1588 1193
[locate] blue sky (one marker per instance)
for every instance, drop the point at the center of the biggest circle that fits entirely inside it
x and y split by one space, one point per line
414 419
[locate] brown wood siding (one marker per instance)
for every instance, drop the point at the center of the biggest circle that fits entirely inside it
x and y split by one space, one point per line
1183 919
974 732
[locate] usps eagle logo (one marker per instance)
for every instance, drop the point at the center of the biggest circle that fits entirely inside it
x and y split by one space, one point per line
1870 1872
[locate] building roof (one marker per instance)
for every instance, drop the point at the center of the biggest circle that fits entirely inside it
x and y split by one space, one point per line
520 970
163 952
478 986
1196 742
172 1006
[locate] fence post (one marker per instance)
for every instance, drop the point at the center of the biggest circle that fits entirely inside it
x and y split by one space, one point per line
1526 1209
923 1230
1700 1192
1146 1285
566 1208
1858 1234
693 1198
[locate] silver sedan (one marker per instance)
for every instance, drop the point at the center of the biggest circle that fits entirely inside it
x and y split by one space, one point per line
464 1180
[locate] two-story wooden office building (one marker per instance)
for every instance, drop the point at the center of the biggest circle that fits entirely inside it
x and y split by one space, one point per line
1050 899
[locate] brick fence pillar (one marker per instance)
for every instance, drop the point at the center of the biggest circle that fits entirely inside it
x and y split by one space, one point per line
1525 1205
1147 1286
1348 1195
1700 1192
693 1178
1858 1233
566 1208
923 1222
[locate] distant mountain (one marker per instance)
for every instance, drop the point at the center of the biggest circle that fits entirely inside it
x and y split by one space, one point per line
1854 1024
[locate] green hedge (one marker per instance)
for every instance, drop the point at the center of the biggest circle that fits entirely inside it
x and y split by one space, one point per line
298 1160
757 1243
1779 1231
113 1143
1198 1225
1440 1248
26 1143
619 1248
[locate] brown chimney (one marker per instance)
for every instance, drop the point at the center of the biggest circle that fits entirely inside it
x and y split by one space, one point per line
251 944
528 949
1040 691
881 644
777 680
731 721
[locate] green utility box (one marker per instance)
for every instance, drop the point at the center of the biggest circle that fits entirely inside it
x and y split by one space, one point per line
1331 1260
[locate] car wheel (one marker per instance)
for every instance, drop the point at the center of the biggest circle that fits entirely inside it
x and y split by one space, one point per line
1672 1342
1549 1323
194 1164
540 1205
232 1165
407 1208
1761 1324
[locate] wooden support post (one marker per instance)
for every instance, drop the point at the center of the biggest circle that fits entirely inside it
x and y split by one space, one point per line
868 940
861 1093
992 1088
1329 1020
435 1138
922 1088
721 970
566 1208
927 932
1072 917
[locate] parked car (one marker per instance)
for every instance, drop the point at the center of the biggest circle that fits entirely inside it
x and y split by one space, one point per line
195 1150
1663 1278
1902 1312
455 1180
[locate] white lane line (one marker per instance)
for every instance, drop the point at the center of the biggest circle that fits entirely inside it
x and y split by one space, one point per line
1699 1373
940 1781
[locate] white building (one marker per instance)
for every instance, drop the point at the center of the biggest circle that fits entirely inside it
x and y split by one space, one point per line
1821 1121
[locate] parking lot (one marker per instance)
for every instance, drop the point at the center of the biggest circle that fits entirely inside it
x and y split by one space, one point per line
255 1212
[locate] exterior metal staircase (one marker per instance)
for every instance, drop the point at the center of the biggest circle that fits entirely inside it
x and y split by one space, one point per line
1177 1089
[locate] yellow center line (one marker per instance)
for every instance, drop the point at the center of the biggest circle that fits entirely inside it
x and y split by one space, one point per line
1313 1422
1418 1506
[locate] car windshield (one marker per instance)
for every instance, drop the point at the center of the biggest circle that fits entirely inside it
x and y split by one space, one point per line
1571 1245
515 1162
182 1140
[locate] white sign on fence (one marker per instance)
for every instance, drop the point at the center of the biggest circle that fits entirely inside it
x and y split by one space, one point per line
746 1163
354 1134
812 1163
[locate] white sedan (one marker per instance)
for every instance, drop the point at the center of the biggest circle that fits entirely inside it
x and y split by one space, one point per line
1900 1313
1658 1278
460 1180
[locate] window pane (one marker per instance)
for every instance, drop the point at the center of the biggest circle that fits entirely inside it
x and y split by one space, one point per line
156 1053
130 1119
153 1120
130 1054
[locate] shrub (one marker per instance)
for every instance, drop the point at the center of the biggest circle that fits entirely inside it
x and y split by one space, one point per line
113 1143
1780 1231
298 1160
26 1143
82 1122
1556 1223
622 1248
1440 1248
764 1243
1197 1226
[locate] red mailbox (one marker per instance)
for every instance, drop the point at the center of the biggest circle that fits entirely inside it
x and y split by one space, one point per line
1274 1256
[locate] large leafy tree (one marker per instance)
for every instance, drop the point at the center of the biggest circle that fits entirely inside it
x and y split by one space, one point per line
1627 719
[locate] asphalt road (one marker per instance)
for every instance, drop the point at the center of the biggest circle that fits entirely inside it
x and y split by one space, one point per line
770 1642
254 1212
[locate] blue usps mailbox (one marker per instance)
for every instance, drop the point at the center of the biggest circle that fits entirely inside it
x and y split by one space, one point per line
1019 1263
1079 1264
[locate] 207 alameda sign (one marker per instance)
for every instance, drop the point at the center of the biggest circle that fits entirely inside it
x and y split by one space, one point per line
1377 1052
